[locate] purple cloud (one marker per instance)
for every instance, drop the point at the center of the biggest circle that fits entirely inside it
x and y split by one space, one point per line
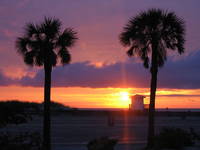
181 74
4 80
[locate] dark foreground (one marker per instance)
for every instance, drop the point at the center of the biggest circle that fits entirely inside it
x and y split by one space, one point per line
74 131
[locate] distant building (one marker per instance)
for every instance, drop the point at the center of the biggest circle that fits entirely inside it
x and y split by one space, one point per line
137 103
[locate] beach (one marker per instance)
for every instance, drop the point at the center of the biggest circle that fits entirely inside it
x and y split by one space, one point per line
75 131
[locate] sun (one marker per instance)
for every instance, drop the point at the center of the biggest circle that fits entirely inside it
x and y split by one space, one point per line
124 97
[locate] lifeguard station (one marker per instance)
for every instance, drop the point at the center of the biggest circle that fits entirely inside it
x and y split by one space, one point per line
137 103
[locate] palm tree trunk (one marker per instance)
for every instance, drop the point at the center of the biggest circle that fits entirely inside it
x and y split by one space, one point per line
151 122
47 102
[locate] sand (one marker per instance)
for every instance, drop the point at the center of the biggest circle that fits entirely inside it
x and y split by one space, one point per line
74 132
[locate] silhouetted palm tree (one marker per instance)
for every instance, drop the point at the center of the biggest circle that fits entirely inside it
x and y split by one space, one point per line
149 35
42 45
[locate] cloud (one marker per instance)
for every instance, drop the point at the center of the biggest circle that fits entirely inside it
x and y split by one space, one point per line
4 80
179 95
86 75
181 74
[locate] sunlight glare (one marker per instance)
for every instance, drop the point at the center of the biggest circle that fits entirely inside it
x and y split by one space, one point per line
124 97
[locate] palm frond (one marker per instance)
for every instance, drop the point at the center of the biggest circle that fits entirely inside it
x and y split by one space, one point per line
50 27
64 56
21 45
29 58
173 32
67 38
39 58
53 58
141 32
130 51
31 29
39 44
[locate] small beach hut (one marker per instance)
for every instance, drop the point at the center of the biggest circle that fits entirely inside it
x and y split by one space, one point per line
137 102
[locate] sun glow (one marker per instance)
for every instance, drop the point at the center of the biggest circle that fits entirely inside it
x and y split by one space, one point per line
124 97
103 97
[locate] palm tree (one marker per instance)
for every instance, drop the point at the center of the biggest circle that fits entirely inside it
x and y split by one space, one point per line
149 35
43 45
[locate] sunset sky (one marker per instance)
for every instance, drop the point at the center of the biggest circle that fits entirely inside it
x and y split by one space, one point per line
100 74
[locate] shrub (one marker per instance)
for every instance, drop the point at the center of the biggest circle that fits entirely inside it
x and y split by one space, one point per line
13 112
103 143
22 141
173 138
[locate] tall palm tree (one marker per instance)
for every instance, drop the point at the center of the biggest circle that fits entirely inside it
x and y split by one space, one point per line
149 35
43 45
